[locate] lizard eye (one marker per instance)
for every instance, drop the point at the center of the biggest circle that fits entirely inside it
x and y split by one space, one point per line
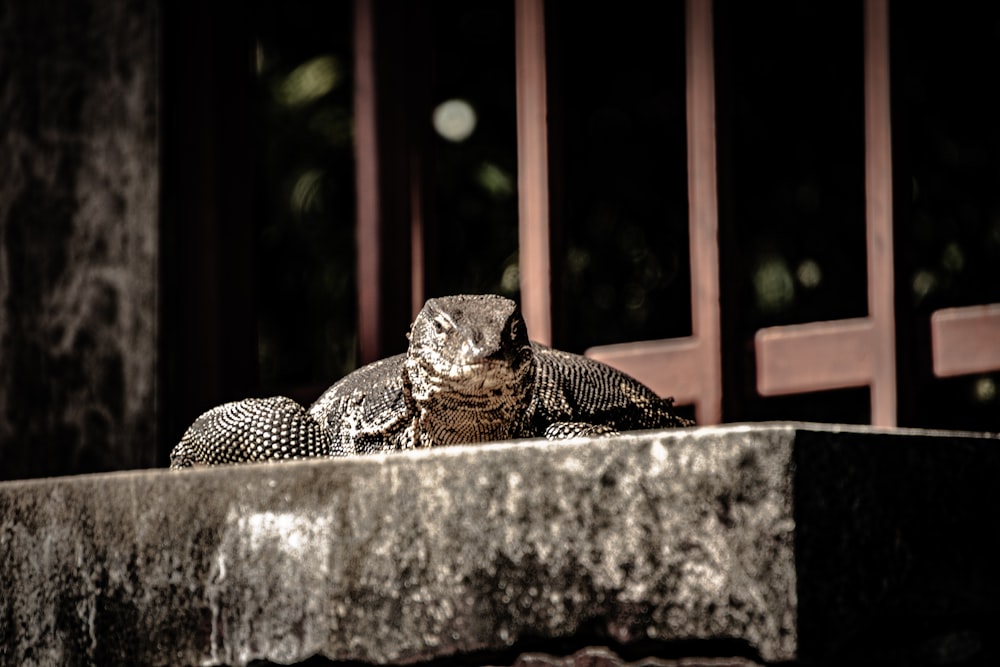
441 325
515 329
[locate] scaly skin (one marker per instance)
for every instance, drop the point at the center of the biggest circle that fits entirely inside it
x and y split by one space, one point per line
470 375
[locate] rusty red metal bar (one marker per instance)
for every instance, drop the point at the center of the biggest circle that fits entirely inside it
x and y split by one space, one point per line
703 205
669 367
532 167
815 356
367 183
417 291
690 368
966 340
857 352
878 190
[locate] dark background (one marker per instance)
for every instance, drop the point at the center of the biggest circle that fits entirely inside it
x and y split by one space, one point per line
250 118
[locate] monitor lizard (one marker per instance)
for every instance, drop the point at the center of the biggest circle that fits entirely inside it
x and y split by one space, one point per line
470 375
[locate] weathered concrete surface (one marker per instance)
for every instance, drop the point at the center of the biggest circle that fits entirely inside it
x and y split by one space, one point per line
896 553
665 536
773 542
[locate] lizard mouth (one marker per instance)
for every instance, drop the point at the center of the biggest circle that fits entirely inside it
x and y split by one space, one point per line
486 374
482 380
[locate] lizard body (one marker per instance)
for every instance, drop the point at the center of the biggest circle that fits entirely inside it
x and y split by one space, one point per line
470 375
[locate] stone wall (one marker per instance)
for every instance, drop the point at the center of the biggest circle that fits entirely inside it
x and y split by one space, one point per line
79 190
769 543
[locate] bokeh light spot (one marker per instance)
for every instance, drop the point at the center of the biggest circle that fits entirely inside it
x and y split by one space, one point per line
923 284
495 180
809 274
952 257
985 389
307 193
773 284
309 81
455 120
510 282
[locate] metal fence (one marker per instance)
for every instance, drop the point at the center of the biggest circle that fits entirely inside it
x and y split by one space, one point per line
824 355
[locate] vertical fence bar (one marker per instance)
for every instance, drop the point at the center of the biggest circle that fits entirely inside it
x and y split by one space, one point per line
858 352
690 368
367 168
416 236
703 204
878 189
532 167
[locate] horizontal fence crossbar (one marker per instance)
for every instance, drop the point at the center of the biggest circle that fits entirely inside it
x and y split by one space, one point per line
966 340
815 357
670 367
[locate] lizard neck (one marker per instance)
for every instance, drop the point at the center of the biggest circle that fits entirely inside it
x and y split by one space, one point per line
433 426
492 404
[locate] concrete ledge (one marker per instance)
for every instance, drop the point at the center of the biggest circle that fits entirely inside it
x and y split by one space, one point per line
771 542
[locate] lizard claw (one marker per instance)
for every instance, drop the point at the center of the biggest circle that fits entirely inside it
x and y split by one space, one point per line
564 430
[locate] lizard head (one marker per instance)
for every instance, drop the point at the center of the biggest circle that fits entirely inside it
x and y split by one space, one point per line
473 346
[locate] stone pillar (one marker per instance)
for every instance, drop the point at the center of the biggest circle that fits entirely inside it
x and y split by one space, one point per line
79 200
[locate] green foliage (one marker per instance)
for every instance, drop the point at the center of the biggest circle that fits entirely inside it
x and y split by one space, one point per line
306 208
